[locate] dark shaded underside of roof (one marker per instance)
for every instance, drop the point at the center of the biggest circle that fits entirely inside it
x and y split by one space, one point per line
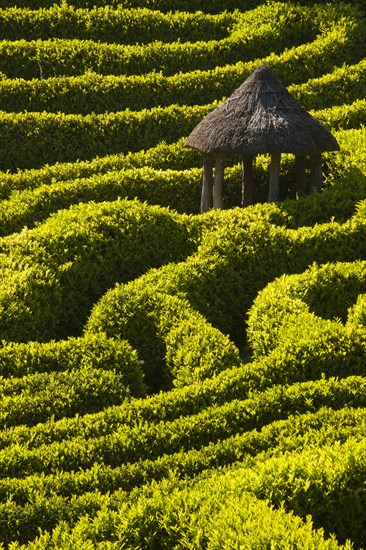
261 116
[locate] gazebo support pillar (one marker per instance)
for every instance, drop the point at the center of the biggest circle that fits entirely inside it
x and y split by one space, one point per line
207 184
274 177
247 185
300 176
218 188
316 178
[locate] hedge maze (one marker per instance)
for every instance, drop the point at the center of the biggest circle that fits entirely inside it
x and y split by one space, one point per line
171 379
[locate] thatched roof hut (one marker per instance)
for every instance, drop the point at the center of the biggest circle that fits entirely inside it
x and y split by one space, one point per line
261 116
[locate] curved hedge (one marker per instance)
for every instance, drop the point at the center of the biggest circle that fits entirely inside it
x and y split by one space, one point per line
31 140
93 352
94 93
179 190
324 426
43 396
177 344
108 24
102 305
345 182
340 42
237 260
124 445
327 291
267 29
215 512
162 157
52 275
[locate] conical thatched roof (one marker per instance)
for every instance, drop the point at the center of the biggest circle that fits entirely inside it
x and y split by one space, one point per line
261 116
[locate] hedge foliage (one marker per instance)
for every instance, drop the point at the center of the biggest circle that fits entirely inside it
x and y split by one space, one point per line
52 275
278 437
328 350
94 352
170 379
327 291
162 157
172 513
284 432
144 441
177 189
33 139
98 91
269 29
168 334
113 25
343 172
165 6
30 140
95 93
237 260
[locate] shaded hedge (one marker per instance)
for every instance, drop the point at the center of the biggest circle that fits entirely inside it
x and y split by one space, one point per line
53 274
327 291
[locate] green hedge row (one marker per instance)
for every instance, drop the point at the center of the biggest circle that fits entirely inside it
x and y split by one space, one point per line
344 116
52 275
331 235
292 434
326 349
96 93
179 190
58 379
63 57
305 397
176 343
344 84
163 407
343 172
207 6
204 512
344 180
167 6
38 397
327 291
107 24
162 157
232 264
93 92
322 482
19 360
31 140
186 350
150 441
262 30
236 261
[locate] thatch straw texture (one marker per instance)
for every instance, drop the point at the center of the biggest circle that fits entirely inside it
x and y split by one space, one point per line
261 116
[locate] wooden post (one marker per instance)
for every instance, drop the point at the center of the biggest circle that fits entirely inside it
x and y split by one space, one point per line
300 176
316 178
207 184
218 201
247 185
274 177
